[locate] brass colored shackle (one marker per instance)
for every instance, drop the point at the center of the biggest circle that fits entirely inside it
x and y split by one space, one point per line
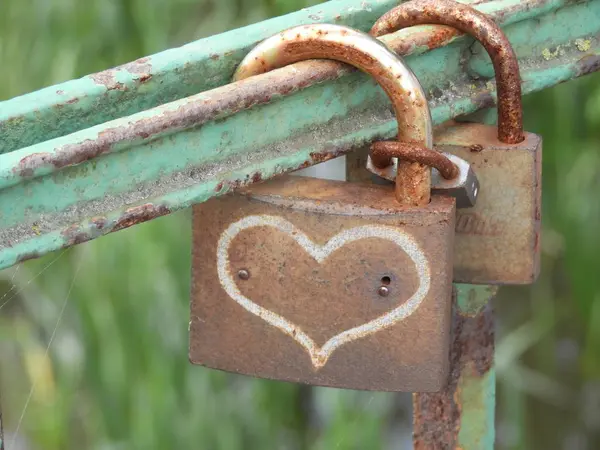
326 41
474 23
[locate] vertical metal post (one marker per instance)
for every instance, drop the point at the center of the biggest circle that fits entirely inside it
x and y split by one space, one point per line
462 415
1 428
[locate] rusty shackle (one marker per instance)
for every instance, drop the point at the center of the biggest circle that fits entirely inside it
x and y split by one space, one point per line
340 43
475 23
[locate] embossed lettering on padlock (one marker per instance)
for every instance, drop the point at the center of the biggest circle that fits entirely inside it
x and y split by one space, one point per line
497 240
327 282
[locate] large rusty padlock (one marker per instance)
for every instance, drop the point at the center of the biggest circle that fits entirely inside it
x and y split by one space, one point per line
497 240
327 282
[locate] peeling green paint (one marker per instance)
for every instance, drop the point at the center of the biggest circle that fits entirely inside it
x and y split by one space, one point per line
351 114
167 76
548 55
477 395
179 167
471 299
583 45
476 390
208 63
552 36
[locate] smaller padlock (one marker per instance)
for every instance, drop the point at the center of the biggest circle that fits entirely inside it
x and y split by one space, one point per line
327 282
497 240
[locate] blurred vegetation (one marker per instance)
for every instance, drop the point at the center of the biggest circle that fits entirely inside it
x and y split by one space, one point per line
117 374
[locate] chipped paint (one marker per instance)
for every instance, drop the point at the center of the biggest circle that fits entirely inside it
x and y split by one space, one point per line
583 45
462 415
135 215
588 64
478 400
108 80
552 54
207 64
235 142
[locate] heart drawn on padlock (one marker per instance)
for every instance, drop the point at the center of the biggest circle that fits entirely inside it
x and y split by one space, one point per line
320 355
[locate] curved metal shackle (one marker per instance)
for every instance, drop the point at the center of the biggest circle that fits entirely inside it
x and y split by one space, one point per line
337 42
475 23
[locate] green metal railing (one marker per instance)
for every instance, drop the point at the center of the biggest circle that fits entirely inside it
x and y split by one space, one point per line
95 155
102 153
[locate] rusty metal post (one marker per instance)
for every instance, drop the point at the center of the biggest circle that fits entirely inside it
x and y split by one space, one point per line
462 415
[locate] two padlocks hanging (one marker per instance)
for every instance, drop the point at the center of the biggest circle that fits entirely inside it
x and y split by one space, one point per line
346 284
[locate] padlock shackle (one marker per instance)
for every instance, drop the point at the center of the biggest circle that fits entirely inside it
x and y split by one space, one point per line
488 33
383 151
340 43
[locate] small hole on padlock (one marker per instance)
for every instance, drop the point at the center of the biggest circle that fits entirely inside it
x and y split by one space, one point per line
386 280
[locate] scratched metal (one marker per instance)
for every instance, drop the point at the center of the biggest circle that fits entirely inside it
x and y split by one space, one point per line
462 415
192 149
286 283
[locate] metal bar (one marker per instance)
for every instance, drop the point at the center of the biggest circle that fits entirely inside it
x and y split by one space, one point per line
462 416
77 187
158 79
199 66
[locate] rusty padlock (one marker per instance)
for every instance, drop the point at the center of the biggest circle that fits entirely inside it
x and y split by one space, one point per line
327 282
497 240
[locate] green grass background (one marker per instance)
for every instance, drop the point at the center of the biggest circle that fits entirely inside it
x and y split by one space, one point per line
117 374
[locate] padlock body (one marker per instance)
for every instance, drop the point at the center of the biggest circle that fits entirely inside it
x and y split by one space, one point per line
498 240
325 283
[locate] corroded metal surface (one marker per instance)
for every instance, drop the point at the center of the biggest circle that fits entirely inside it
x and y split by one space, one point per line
488 33
226 142
464 186
510 253
383 151
323 282
357 49
467 19
208 63
498 240
462 415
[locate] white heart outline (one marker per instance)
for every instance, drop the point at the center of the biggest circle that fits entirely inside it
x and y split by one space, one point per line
320 355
